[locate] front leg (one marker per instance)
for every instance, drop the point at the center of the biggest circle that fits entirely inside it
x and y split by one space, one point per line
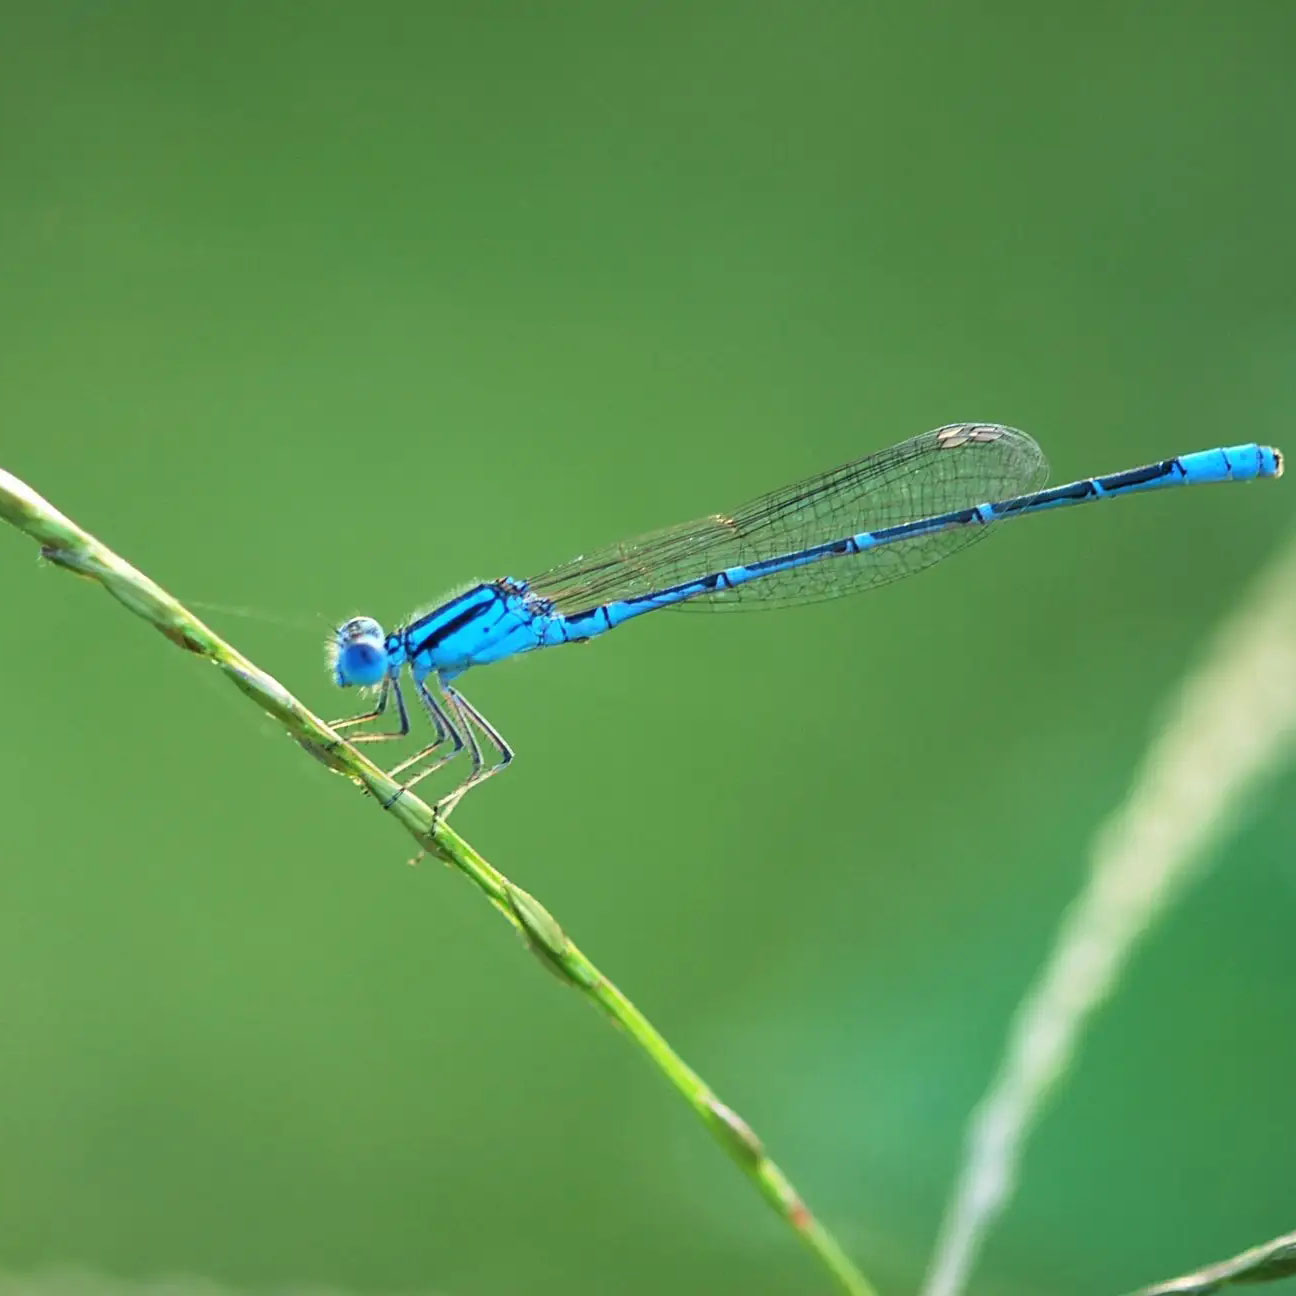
390 687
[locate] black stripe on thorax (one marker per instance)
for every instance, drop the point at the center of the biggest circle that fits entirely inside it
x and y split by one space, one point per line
440 632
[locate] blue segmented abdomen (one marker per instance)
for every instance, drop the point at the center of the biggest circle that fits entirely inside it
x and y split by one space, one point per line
1230 463
920 501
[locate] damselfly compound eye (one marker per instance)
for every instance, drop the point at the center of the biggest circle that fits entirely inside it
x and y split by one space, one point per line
357 653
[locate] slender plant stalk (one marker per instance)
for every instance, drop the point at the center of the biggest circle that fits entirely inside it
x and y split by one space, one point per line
1230 725
1264 1263
66 545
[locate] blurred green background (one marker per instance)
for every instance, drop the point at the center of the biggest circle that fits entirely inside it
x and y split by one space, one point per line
329 308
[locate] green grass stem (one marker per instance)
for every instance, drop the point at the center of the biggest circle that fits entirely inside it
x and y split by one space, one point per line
1264 1263
66 545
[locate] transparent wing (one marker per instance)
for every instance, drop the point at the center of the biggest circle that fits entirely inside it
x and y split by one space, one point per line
949 469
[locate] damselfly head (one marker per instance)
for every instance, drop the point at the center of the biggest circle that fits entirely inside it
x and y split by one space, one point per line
357 654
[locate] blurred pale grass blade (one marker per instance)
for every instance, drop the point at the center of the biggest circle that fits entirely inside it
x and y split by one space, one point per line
67 545
1233 721
1265 1263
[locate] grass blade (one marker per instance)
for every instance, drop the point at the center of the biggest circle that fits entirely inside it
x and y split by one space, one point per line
1264 1263
73 549
1232 722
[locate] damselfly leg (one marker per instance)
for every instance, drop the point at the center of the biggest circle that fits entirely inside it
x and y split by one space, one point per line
480 772
454 718
444 727
389 687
